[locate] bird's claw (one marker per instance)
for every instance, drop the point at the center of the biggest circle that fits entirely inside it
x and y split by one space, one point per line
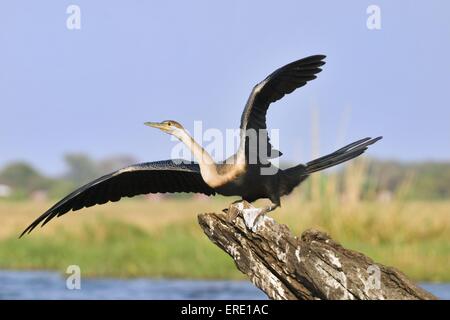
251 217
250 214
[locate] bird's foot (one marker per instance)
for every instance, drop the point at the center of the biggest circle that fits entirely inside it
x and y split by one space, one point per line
251 217
235 209
250 214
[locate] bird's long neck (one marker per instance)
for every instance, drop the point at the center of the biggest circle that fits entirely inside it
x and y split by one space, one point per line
208 167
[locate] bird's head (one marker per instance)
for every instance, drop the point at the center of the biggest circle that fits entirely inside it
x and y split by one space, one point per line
168 126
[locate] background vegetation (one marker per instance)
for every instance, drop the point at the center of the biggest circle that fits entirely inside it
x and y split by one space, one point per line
426 180
384 209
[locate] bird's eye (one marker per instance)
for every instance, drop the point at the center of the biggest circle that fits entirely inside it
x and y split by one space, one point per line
169 123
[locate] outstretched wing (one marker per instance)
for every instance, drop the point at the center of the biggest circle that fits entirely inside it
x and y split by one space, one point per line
279 83
151 177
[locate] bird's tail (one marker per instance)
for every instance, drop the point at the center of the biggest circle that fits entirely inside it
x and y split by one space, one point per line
292 177
344 154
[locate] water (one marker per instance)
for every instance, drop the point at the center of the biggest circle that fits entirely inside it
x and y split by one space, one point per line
52 285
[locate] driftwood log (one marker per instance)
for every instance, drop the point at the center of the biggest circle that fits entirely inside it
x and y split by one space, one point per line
313 266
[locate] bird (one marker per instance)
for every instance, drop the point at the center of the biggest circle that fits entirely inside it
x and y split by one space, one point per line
248 174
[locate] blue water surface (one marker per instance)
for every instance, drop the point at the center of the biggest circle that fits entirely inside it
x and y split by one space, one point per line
52 285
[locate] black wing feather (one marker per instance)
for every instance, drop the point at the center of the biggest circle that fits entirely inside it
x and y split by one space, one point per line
152 177
279 83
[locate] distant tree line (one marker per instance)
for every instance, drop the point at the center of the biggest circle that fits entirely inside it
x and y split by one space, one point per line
424 180
419 180
24 179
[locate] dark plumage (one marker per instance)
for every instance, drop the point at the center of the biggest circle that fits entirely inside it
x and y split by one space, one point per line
151 177
244 176
279 83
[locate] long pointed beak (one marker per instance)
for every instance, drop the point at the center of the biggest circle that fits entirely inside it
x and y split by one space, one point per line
154 125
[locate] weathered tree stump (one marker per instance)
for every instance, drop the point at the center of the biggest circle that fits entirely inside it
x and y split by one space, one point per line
313 266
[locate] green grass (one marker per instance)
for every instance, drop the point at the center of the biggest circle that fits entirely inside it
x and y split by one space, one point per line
163 239
123 250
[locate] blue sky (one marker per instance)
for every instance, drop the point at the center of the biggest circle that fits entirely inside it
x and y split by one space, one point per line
90 90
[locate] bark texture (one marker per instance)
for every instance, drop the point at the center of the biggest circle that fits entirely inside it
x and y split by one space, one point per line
313 266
